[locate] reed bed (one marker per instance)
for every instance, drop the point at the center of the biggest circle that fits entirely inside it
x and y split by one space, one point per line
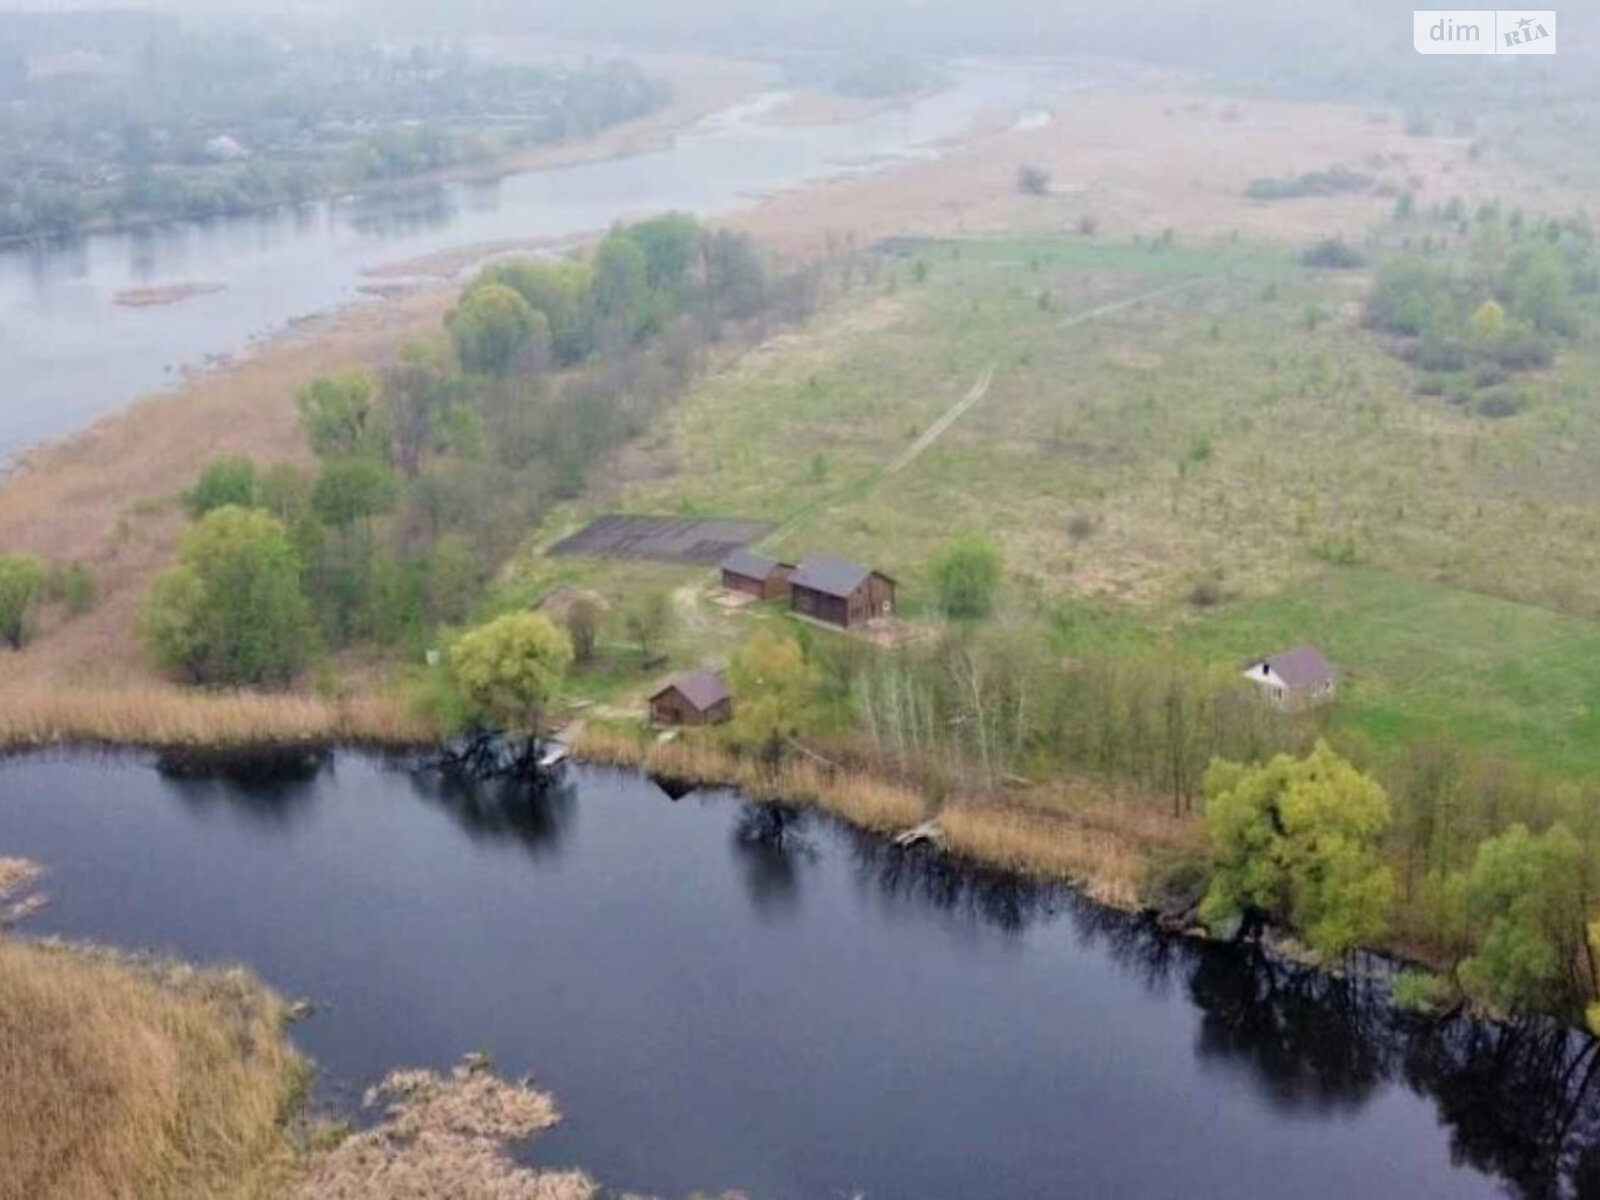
165 715
124 1078
860 799
445 1135
1071 832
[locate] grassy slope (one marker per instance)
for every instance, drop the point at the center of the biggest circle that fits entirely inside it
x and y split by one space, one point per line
1245 429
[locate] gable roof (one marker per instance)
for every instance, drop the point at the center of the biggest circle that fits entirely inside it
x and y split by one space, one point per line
831 576
1302 667
704 688
752 565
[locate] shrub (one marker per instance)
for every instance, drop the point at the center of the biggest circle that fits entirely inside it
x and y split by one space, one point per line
232 610
1333 253
1033 180
21 577
1422 992
965 575
225 481
1501 402
72 586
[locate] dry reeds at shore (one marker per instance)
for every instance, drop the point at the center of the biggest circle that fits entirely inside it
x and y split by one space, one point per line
165 715
1065 832
445 1135
861 800
123 1078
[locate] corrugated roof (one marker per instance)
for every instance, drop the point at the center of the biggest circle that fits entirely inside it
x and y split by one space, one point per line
752 565
830 576
1302 667
704 688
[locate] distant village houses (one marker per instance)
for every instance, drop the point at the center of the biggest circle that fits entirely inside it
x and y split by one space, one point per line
693 698
1295 679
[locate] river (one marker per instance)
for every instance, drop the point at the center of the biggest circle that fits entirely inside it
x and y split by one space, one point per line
725 995
70 353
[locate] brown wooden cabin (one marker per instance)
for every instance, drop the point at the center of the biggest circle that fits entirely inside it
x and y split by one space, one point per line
693 698
839 592
756 574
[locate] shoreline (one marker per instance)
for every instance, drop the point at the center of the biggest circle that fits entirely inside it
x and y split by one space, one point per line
693 98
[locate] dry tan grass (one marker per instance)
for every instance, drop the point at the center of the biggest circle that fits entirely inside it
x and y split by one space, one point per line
445 1136
142 1080
870 803
1067 831
158 714
1097 843
1145 162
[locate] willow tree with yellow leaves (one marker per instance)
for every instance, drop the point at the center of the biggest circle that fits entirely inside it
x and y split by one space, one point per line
1296 843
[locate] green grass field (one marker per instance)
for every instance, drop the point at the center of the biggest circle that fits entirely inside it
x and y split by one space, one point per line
1236 428
1422 660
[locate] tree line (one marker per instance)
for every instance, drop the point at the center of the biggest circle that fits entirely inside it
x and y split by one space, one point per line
431 470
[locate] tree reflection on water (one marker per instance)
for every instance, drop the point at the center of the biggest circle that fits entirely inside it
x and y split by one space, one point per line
1519 1099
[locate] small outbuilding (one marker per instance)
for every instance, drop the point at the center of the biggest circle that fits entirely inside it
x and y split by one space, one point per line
1295 679
693 698
840 592
756 574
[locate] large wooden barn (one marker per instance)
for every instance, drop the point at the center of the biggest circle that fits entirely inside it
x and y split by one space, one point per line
756 574
693 698
840 592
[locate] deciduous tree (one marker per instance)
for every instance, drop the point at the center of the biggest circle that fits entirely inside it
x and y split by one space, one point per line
232 610
1296 841
774 690
494 328
1526 903
509 669
336 411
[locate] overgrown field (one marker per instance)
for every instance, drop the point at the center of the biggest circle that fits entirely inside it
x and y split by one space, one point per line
1229 466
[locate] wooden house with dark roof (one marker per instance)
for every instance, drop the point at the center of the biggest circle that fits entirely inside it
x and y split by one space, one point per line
693 698
756 575
840 592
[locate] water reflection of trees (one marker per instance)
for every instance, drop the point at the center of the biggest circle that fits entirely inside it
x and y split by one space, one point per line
1520 1101
921 876
1313 1040
535 815
771 848
272 786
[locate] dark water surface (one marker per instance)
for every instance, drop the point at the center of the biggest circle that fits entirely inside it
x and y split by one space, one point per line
69 353
725 995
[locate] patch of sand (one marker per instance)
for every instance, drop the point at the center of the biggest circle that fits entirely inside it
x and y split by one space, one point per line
807 109
171 293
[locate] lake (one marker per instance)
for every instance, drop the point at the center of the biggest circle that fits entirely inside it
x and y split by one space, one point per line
728 995
70 353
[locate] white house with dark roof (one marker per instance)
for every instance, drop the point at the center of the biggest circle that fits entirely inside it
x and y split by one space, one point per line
1294 679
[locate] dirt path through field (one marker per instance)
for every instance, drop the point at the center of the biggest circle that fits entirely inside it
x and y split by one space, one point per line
932 434
947 420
